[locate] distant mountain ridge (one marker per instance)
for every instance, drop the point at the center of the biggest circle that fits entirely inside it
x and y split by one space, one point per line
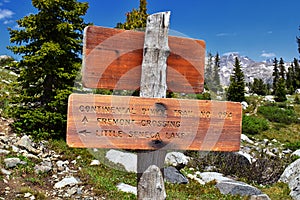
251 68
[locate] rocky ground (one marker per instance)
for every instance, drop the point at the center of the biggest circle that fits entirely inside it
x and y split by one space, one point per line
59 179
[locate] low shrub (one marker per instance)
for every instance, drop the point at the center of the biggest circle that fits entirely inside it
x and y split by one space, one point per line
253 125
264 170
204 96
293 145
282 114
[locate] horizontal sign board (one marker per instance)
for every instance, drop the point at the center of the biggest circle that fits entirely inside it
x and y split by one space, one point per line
123 122
112 59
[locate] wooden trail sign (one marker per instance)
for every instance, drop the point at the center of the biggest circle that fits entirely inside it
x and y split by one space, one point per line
112 59
128 60
120 122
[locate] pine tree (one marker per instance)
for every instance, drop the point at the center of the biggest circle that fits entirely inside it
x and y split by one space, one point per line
50 43
281 69
296 79
212 77
280 92
275 74
216 77
289 80
236 89
136 19
258 87
208 71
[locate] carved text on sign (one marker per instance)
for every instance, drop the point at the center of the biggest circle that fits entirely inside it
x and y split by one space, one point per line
149 123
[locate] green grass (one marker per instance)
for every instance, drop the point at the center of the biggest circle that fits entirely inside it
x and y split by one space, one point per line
194 190
104 180
284 123
277 191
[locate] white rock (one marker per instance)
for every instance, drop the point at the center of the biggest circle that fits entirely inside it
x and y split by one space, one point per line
128 160
27 195
66 181
291 176
95 163
4 152
210 176
26 143
296 153
62 165
127 188
269 98
176 158
5 172
15 149
244 105
13 162
290 172
246 139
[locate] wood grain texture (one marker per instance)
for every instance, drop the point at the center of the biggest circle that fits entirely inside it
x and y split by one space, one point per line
119 122
153 84
112 59
156 52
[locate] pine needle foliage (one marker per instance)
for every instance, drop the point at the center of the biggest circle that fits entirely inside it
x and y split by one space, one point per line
136 19
236 89
50 44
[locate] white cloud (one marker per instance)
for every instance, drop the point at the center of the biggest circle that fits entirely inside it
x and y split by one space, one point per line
225 34
231 53
8 22
268 54
6 13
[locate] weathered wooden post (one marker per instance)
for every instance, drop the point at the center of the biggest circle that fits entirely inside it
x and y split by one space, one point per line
154 84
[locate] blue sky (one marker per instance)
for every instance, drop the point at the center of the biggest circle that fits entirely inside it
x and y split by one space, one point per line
259 29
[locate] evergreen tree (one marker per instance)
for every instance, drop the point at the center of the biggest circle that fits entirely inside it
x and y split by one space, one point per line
208 71
216 77
50 43
275 74
236 90
296 78
280 92
212 77
258 87
290 75
136 19
281 69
